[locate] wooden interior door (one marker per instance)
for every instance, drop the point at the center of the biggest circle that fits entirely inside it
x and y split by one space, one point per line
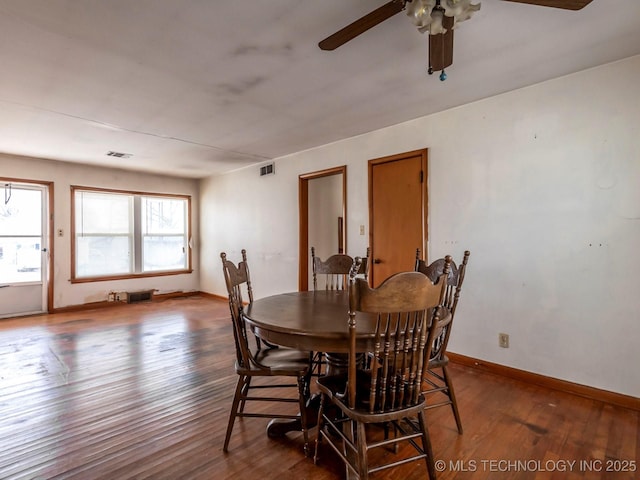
397 212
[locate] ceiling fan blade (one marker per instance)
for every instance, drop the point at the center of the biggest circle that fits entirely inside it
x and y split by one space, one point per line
441 47
564 4
361 25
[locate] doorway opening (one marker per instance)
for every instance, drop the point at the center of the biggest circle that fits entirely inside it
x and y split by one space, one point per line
322 204
25 247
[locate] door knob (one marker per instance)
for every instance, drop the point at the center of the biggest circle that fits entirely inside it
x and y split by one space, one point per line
377 260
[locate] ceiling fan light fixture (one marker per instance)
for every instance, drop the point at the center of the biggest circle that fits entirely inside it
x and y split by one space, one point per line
437 25
427 14
460 10
420 12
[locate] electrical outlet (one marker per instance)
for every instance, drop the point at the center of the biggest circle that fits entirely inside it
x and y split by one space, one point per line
111 297
503 340
361 229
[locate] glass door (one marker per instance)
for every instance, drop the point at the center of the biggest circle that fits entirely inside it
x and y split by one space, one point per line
23 248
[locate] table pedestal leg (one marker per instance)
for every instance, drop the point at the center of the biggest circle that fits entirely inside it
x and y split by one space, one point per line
278 427
338 363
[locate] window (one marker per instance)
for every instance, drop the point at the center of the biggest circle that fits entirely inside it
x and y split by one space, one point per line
125 234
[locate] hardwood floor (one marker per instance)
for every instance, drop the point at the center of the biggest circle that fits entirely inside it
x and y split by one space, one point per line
144 391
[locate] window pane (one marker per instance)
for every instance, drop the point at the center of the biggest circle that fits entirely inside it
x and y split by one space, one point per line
164 253
98 256
20 260
163 216
103 213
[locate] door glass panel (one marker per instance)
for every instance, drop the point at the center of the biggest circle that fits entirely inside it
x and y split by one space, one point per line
20 235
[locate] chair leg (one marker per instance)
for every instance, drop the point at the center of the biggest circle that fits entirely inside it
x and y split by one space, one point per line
244 392
348 447
361 443
320 426
307 383
234 411
321 362
302 396
452 396
426 445
317 361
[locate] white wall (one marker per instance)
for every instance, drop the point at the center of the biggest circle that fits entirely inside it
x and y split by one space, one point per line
64 175
325 207
541 184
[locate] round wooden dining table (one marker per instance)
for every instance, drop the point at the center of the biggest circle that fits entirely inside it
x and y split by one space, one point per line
314 320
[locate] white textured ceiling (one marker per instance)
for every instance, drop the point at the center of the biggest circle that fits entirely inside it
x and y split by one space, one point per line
199 87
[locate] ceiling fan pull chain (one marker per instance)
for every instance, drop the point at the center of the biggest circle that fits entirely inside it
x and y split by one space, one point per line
443 74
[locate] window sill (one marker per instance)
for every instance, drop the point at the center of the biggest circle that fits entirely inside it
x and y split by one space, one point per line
130 276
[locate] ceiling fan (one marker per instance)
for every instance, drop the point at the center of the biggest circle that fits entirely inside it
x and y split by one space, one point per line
437 17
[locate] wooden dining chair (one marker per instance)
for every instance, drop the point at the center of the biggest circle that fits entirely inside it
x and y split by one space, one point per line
437 378
261 361
364 267
332 273
408 316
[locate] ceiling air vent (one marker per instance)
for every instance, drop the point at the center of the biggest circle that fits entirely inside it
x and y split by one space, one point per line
268 169
111 153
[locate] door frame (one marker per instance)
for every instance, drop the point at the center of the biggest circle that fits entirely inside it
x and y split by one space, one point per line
50 216
424 154
303 209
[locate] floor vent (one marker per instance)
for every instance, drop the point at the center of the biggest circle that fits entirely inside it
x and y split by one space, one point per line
142 296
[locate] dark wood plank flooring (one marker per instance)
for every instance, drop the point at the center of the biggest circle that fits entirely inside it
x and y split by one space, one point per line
144 391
